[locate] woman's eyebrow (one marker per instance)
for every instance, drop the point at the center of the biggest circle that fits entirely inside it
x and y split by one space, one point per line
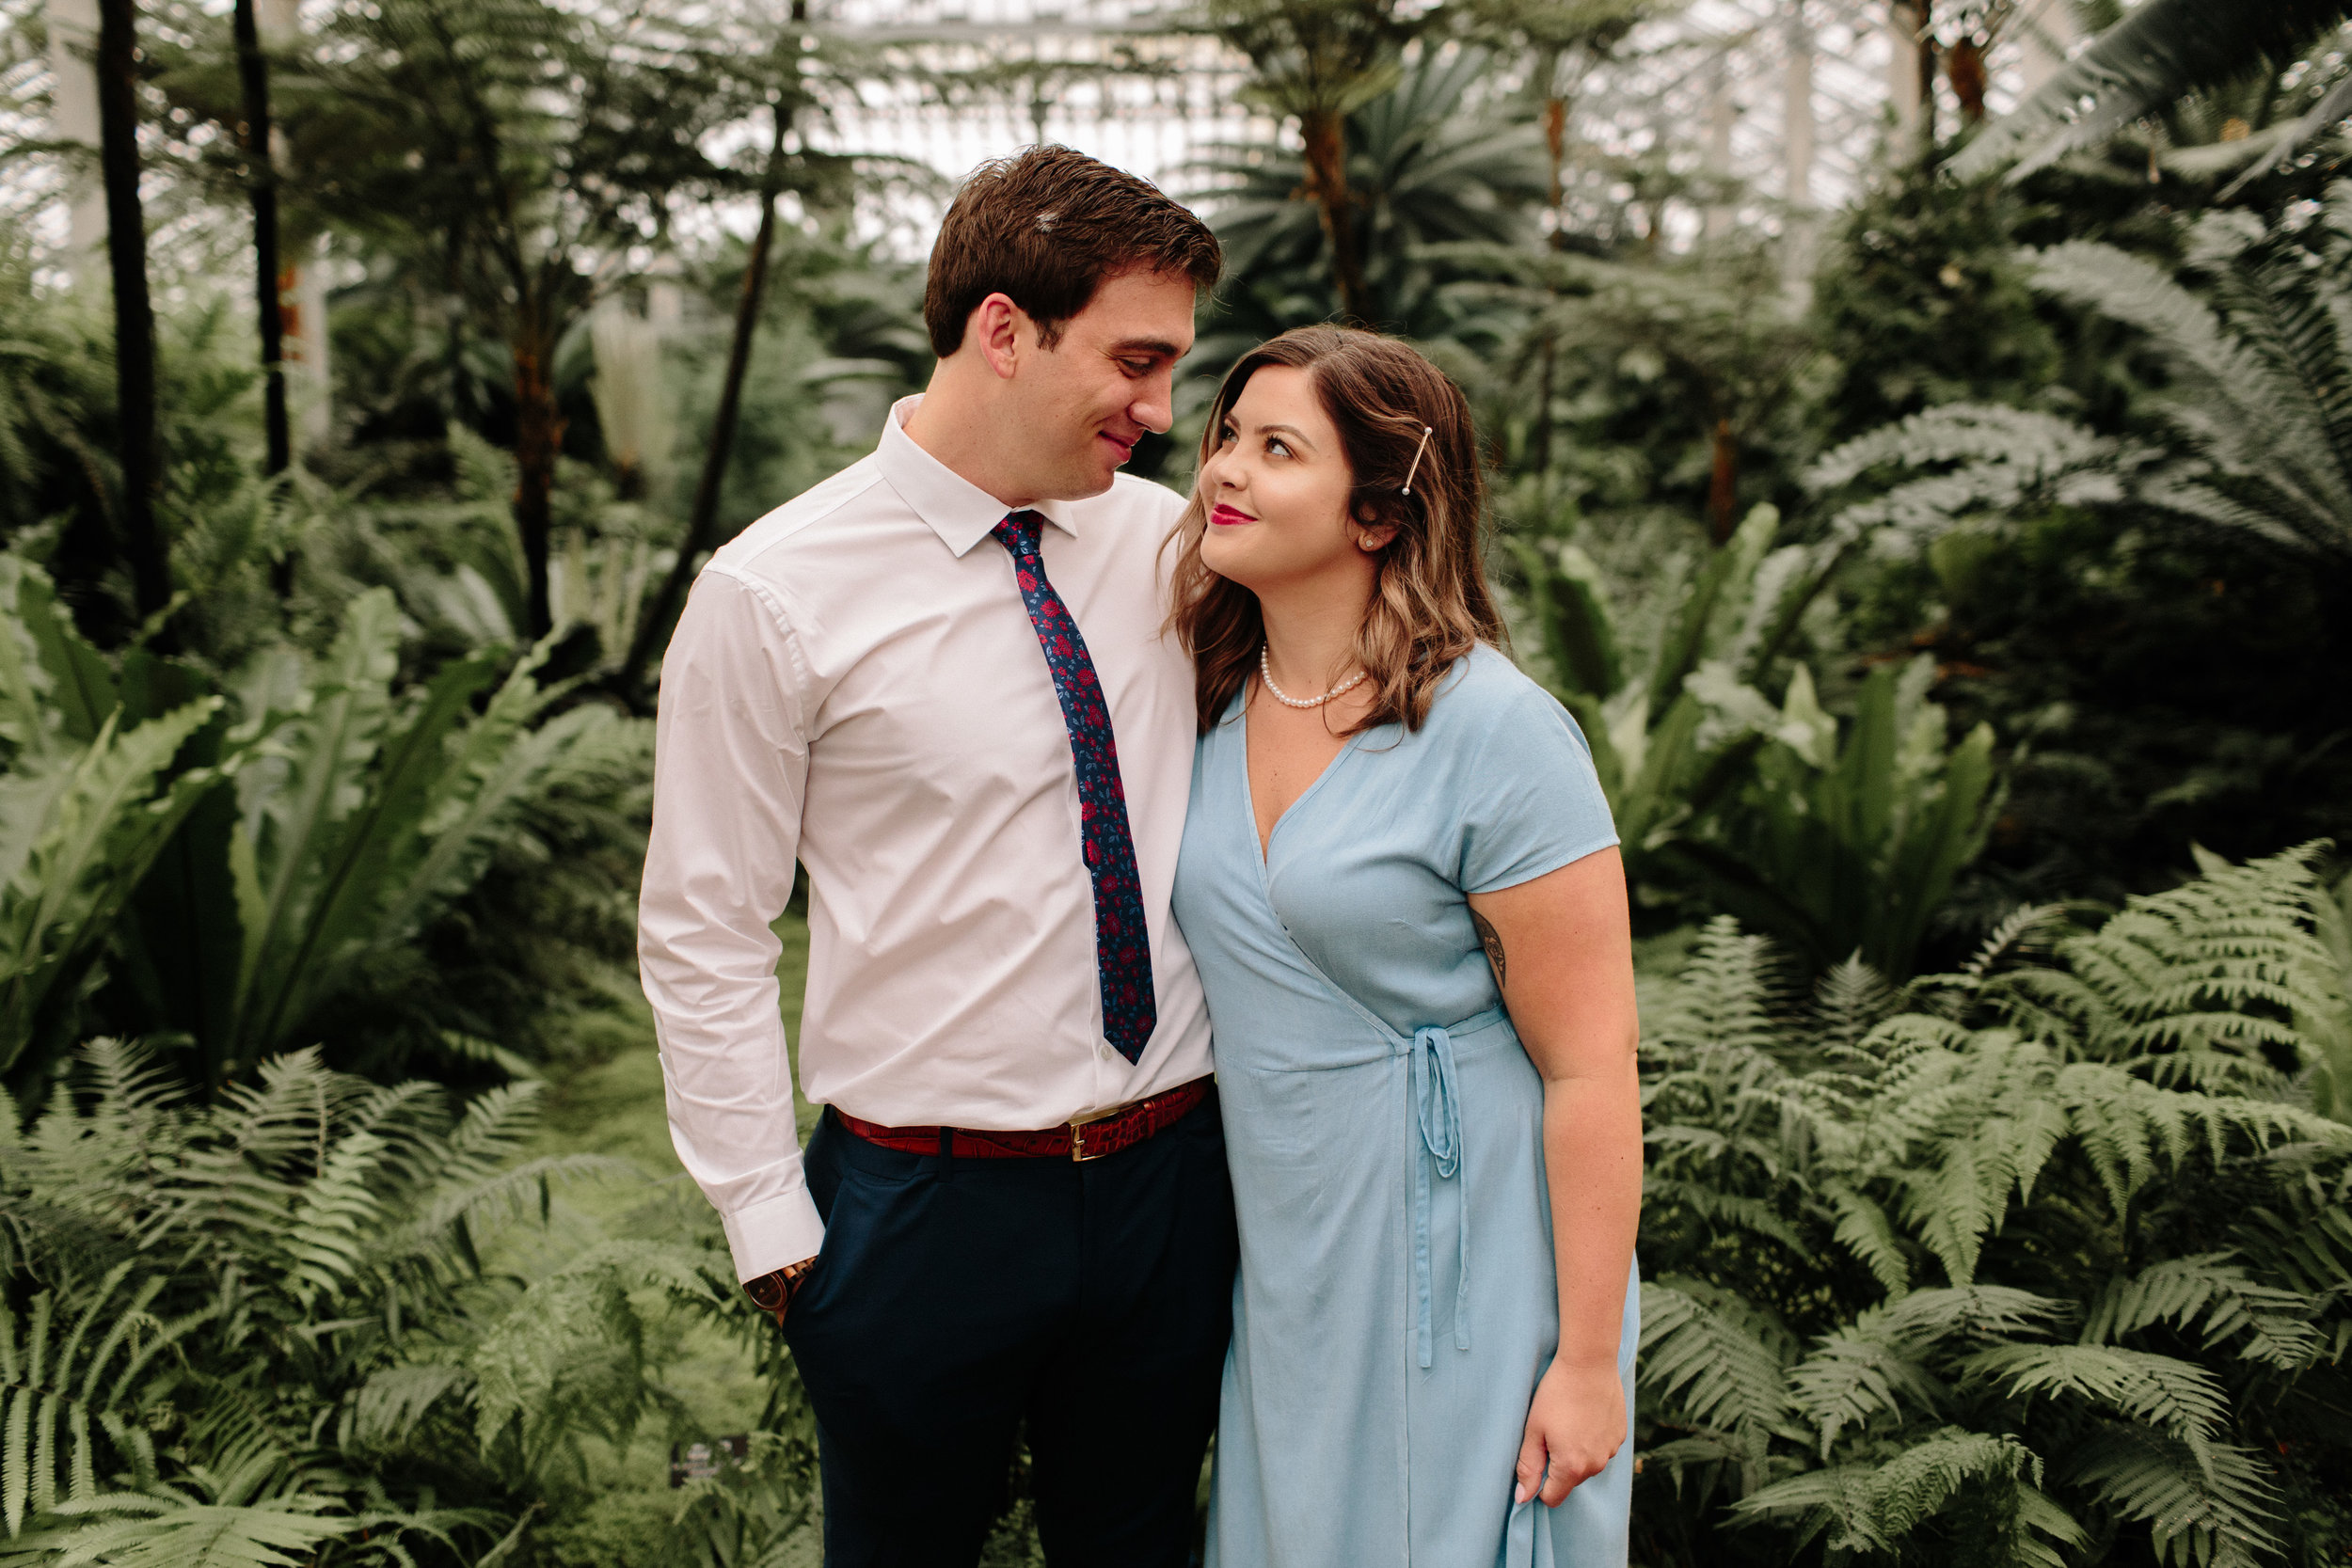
1290 430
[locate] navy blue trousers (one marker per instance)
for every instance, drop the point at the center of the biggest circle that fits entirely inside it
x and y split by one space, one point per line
955 1299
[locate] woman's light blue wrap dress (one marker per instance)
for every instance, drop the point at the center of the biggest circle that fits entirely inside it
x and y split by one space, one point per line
1397 1300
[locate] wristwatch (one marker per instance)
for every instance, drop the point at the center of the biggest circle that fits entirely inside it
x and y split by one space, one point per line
772 1292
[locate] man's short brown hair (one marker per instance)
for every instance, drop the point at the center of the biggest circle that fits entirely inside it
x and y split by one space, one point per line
1044 228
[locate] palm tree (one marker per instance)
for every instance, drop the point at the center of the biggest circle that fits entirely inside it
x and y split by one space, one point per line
538 152
2161 52
1426 166
1316 61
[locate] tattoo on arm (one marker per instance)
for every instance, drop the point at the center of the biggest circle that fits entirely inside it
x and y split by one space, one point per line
1491 940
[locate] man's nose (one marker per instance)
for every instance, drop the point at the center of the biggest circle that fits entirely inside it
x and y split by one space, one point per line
1154 407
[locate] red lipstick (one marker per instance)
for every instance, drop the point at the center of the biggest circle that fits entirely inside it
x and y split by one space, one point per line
1227 516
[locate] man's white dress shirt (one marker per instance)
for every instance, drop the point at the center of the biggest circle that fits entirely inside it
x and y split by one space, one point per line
856 681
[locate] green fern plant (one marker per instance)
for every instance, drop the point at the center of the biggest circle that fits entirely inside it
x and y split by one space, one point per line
2256 442
277 1327
2043 1261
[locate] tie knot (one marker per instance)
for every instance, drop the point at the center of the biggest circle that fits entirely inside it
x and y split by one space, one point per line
1019 531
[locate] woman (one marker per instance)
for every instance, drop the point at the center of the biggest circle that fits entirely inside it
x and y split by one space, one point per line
1399 882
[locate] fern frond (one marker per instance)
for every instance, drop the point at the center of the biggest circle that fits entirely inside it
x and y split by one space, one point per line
1851 1000
129 1531
1716 1358
2212 1509
1865 1230
55 1394
1731 993
2207 1292
2194 982
1857 1372
2178 1398
1971 1315
388 1405
1872 1508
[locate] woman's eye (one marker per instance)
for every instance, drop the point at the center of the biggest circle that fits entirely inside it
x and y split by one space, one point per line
1276 445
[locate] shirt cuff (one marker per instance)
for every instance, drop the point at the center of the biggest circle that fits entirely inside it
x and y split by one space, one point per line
773 1232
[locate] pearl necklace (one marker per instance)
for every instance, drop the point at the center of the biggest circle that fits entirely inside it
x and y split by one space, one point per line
1266 674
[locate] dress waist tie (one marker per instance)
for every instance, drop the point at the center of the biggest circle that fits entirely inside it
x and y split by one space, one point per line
1438 1116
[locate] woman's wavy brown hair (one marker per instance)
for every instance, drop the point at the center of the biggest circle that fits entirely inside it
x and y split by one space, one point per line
1431 604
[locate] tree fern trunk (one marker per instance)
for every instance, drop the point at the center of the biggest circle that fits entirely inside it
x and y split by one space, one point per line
1326 135
538 439
261 181
1723 489
135 313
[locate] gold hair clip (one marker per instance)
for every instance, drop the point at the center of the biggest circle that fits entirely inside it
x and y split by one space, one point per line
1426 434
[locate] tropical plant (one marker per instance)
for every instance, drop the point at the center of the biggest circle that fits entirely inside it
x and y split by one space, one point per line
1427 164
1717 334
281 1324
2157 53
513 149
1666 698
2051 1267
1844 844
2255 439
1315 62
2262 368
91 796
243 868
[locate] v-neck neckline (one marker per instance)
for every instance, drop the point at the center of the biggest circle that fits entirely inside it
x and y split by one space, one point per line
1264 846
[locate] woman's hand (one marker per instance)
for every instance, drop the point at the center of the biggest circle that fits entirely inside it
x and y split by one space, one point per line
1575 1426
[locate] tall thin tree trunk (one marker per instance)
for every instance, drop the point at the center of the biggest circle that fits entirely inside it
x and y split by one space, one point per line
1555 142
1723 489
1925 61
134 313
1965 68
1326 135
538 439
653 625
260 174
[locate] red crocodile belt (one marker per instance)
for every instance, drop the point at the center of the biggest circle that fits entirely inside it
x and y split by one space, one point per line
1087 1139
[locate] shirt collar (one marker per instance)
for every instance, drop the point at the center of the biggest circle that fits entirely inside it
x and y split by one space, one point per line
959 511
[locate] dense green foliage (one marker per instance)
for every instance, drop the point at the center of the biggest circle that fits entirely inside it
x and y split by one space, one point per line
292 1321
1931 580
2037 1261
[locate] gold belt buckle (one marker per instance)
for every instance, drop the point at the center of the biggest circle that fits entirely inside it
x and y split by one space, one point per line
1078 1152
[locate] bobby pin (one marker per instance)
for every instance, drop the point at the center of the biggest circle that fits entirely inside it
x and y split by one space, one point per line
1426 434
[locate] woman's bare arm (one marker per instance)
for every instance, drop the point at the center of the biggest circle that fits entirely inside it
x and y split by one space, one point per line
1562 947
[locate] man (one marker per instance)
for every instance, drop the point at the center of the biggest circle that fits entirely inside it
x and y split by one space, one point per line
937 678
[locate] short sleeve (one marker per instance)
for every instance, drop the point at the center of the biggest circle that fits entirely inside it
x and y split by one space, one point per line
1533 800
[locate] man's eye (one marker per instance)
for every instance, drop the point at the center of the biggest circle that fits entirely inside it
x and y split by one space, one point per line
1136 367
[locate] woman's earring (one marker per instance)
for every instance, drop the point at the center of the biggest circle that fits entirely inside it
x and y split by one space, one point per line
1367 541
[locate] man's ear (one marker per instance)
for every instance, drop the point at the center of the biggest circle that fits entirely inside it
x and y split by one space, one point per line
997 326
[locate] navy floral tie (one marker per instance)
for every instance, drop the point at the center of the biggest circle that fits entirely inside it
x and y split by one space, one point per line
1123 944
